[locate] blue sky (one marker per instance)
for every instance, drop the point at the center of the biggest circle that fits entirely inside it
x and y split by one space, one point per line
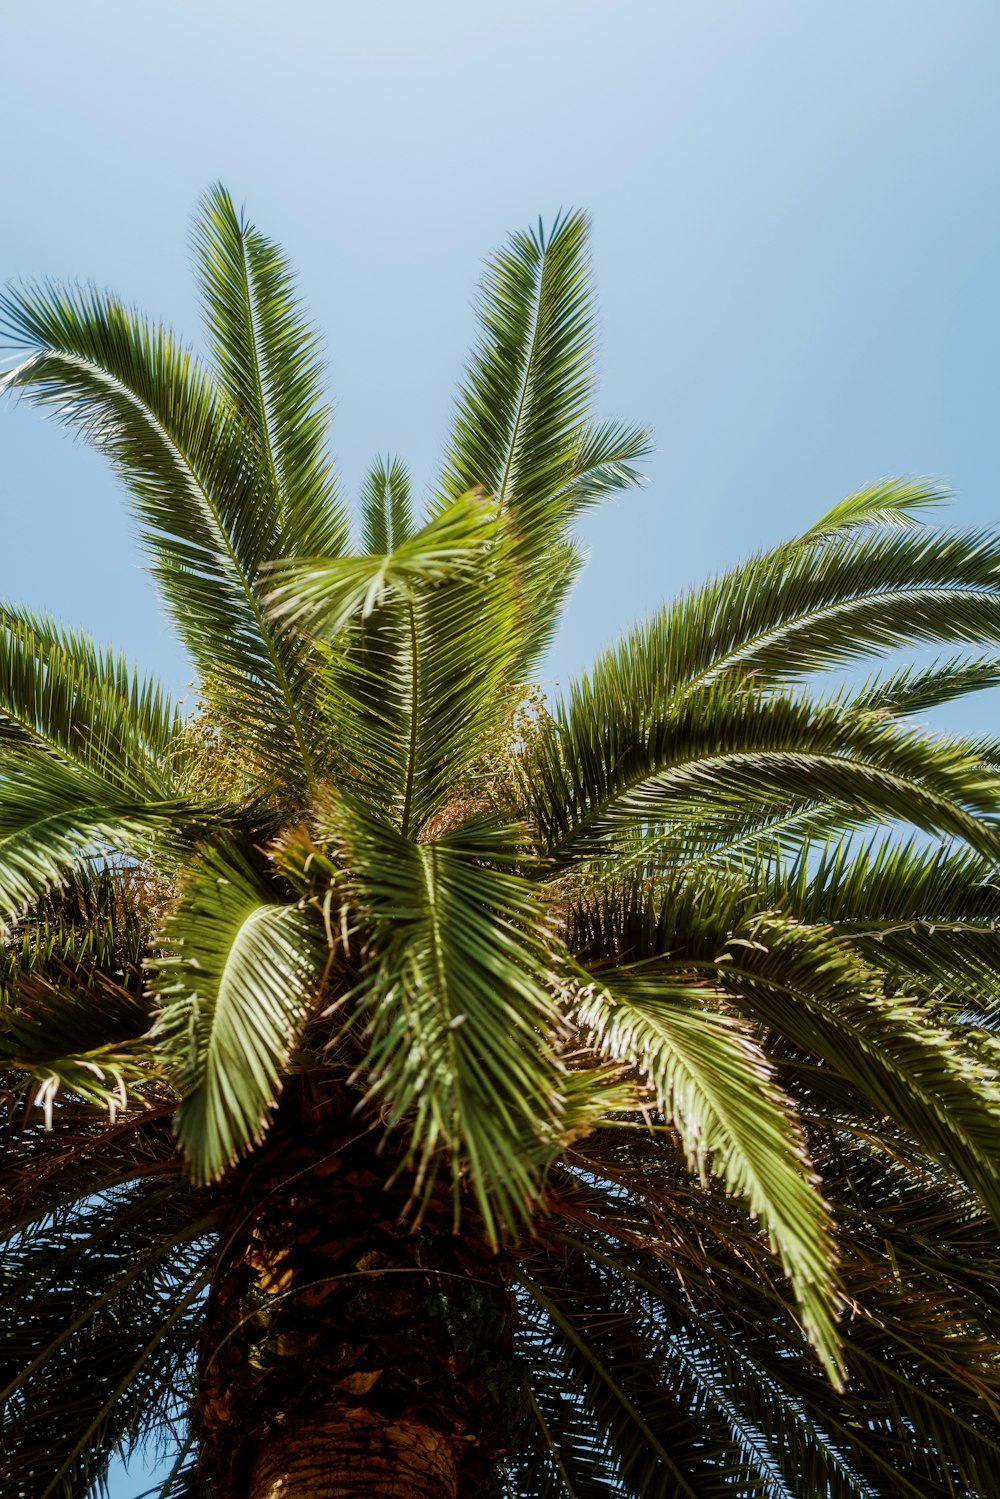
796 233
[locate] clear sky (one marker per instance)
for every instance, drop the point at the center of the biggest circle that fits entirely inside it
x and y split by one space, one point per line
796 229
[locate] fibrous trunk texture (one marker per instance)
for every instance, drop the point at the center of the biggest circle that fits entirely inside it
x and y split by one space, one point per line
347 1353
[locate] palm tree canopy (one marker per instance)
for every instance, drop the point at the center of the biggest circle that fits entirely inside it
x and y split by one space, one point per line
665 982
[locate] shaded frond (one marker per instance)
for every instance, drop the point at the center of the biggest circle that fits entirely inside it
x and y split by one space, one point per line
101 1352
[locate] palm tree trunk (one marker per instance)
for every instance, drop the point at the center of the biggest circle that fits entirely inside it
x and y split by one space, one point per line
347 1353
347 1454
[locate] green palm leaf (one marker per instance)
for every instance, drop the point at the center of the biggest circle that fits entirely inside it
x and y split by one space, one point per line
460 1004
914 689
916 1071
386 512
57 818
609 766
521 428
235 986
269 366
57 690
210 520
803 608
417 691
90 1366
897 504
321 595
712 1082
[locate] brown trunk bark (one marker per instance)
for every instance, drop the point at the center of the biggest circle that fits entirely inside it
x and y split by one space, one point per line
352 1455
345 1352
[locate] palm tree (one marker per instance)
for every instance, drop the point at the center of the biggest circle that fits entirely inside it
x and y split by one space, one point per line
413 1089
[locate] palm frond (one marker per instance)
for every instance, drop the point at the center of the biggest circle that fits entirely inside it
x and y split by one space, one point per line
210 518
894 503
928 917
914 689
607 766
521 428
386 512
675 1259
57 690
891 1055
268 362
416 693
238 974
813 991
57 819
650 1444
802 608
322 595
712 1082
604 463
101 1350
457 1004
527 390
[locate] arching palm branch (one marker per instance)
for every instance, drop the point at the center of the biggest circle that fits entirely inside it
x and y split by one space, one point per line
418 1086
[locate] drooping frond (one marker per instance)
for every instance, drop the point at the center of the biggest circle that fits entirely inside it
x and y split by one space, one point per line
887 1055
811 990
928 917
56 818
73 1015
98 1357
58 691
710 1079
804 608
682 1285
239 971
610 765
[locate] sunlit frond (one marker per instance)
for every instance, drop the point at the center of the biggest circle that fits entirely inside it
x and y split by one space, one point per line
210 518
239 970
459 1005
269 365
711 1080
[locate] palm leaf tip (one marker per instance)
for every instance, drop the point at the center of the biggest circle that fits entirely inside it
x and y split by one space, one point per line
893 503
